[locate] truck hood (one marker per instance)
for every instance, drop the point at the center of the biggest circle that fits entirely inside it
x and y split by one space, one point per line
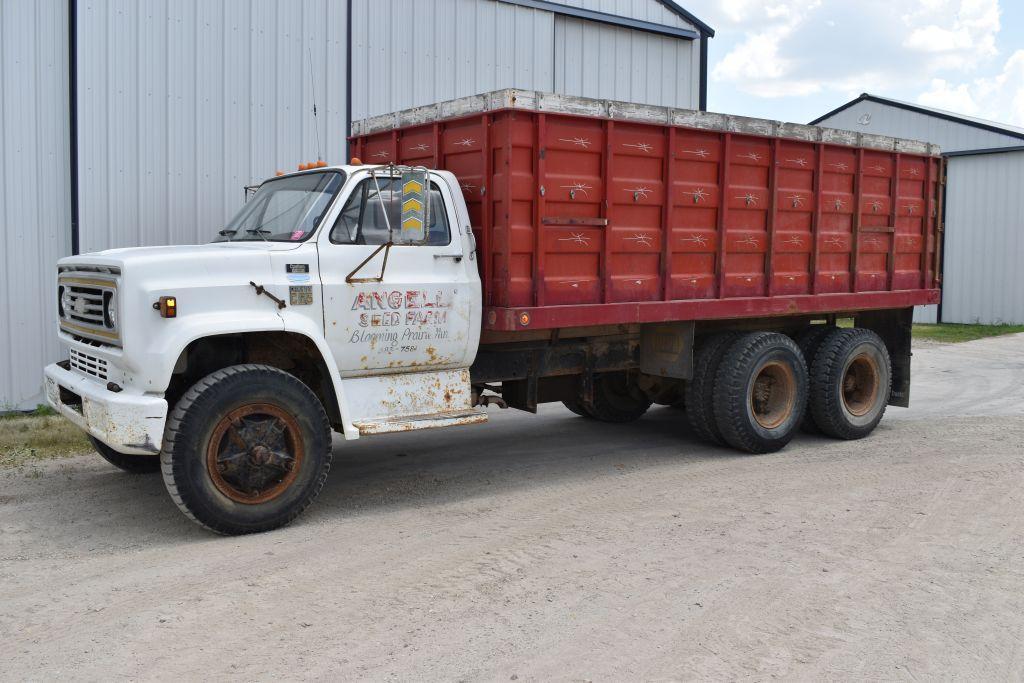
248 259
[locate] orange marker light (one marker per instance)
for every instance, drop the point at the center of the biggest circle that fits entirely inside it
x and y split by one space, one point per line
279 173
356 161
168 306
321 163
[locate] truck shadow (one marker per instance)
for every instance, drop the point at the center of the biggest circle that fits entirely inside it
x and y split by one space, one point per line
510 452
513 452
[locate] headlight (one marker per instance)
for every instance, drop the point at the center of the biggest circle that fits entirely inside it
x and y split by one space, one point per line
110 310
64 298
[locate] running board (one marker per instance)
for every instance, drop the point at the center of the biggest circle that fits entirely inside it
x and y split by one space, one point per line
408 423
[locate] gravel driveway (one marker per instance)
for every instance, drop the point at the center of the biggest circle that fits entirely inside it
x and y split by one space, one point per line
551 547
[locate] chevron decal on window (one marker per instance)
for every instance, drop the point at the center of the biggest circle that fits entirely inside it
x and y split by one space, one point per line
414 206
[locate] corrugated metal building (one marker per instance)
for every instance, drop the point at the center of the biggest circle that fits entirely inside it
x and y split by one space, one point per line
125 123
984 225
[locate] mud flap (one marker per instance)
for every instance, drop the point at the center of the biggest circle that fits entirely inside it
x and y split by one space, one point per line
894 327
666 350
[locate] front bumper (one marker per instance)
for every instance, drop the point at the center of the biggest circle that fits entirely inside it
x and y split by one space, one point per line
128 423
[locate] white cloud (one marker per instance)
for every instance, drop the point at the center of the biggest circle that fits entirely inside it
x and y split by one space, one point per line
959 40
999 97
756 61
802 47
943 95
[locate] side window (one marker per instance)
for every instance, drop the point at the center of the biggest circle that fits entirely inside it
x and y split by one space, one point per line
367 214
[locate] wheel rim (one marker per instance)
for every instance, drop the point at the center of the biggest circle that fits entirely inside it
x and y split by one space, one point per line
773 394
860 385
255 453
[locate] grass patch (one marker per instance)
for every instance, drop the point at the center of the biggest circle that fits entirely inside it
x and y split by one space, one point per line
41 410
954 334
29 438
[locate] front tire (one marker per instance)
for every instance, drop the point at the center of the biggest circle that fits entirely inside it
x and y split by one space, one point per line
246 449
760 392
133 464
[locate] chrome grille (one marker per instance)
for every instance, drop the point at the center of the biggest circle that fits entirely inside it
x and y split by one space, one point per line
88 364
86 305
81 297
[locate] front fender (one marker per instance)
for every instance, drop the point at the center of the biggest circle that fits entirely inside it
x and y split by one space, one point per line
160 357
151 368
297 324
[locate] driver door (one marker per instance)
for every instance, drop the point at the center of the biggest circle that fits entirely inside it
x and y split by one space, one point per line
408 307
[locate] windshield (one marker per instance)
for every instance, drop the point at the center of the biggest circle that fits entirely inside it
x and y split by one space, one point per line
285 209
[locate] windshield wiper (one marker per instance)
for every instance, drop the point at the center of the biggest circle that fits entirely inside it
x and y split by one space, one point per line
227 232
262 232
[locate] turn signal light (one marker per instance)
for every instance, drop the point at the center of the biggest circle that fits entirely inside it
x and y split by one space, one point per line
168 306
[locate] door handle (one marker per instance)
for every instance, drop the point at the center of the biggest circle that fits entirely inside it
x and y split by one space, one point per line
456 257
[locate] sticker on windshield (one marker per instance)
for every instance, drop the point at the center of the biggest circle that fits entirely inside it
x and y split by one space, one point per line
297 235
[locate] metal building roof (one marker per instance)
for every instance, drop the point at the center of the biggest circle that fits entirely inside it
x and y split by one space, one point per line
620 19
701 26
973 122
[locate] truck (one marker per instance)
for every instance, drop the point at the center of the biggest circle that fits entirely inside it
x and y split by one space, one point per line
508 249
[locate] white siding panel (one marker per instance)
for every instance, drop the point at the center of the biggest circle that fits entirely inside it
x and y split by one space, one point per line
406 53
35 201
182 104
610 62
926 314
950 136
984 249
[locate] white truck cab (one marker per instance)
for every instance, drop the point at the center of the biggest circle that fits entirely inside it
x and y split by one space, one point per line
322 304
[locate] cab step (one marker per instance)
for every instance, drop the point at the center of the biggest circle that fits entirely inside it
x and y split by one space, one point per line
408 423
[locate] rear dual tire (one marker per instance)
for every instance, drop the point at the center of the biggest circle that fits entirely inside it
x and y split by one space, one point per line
699 395
851 378
809 340
760 392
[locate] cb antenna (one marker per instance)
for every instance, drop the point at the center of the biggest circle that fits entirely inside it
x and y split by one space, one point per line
312 83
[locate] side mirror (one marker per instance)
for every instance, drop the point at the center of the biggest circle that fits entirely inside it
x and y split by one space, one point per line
415 220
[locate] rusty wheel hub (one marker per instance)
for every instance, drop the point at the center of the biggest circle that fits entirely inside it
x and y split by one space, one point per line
255 453
860 385
773 395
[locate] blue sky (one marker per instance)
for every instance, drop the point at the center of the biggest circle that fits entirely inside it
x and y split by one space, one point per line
797 59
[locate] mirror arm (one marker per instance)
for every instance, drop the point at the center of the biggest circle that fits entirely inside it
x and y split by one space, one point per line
351 278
